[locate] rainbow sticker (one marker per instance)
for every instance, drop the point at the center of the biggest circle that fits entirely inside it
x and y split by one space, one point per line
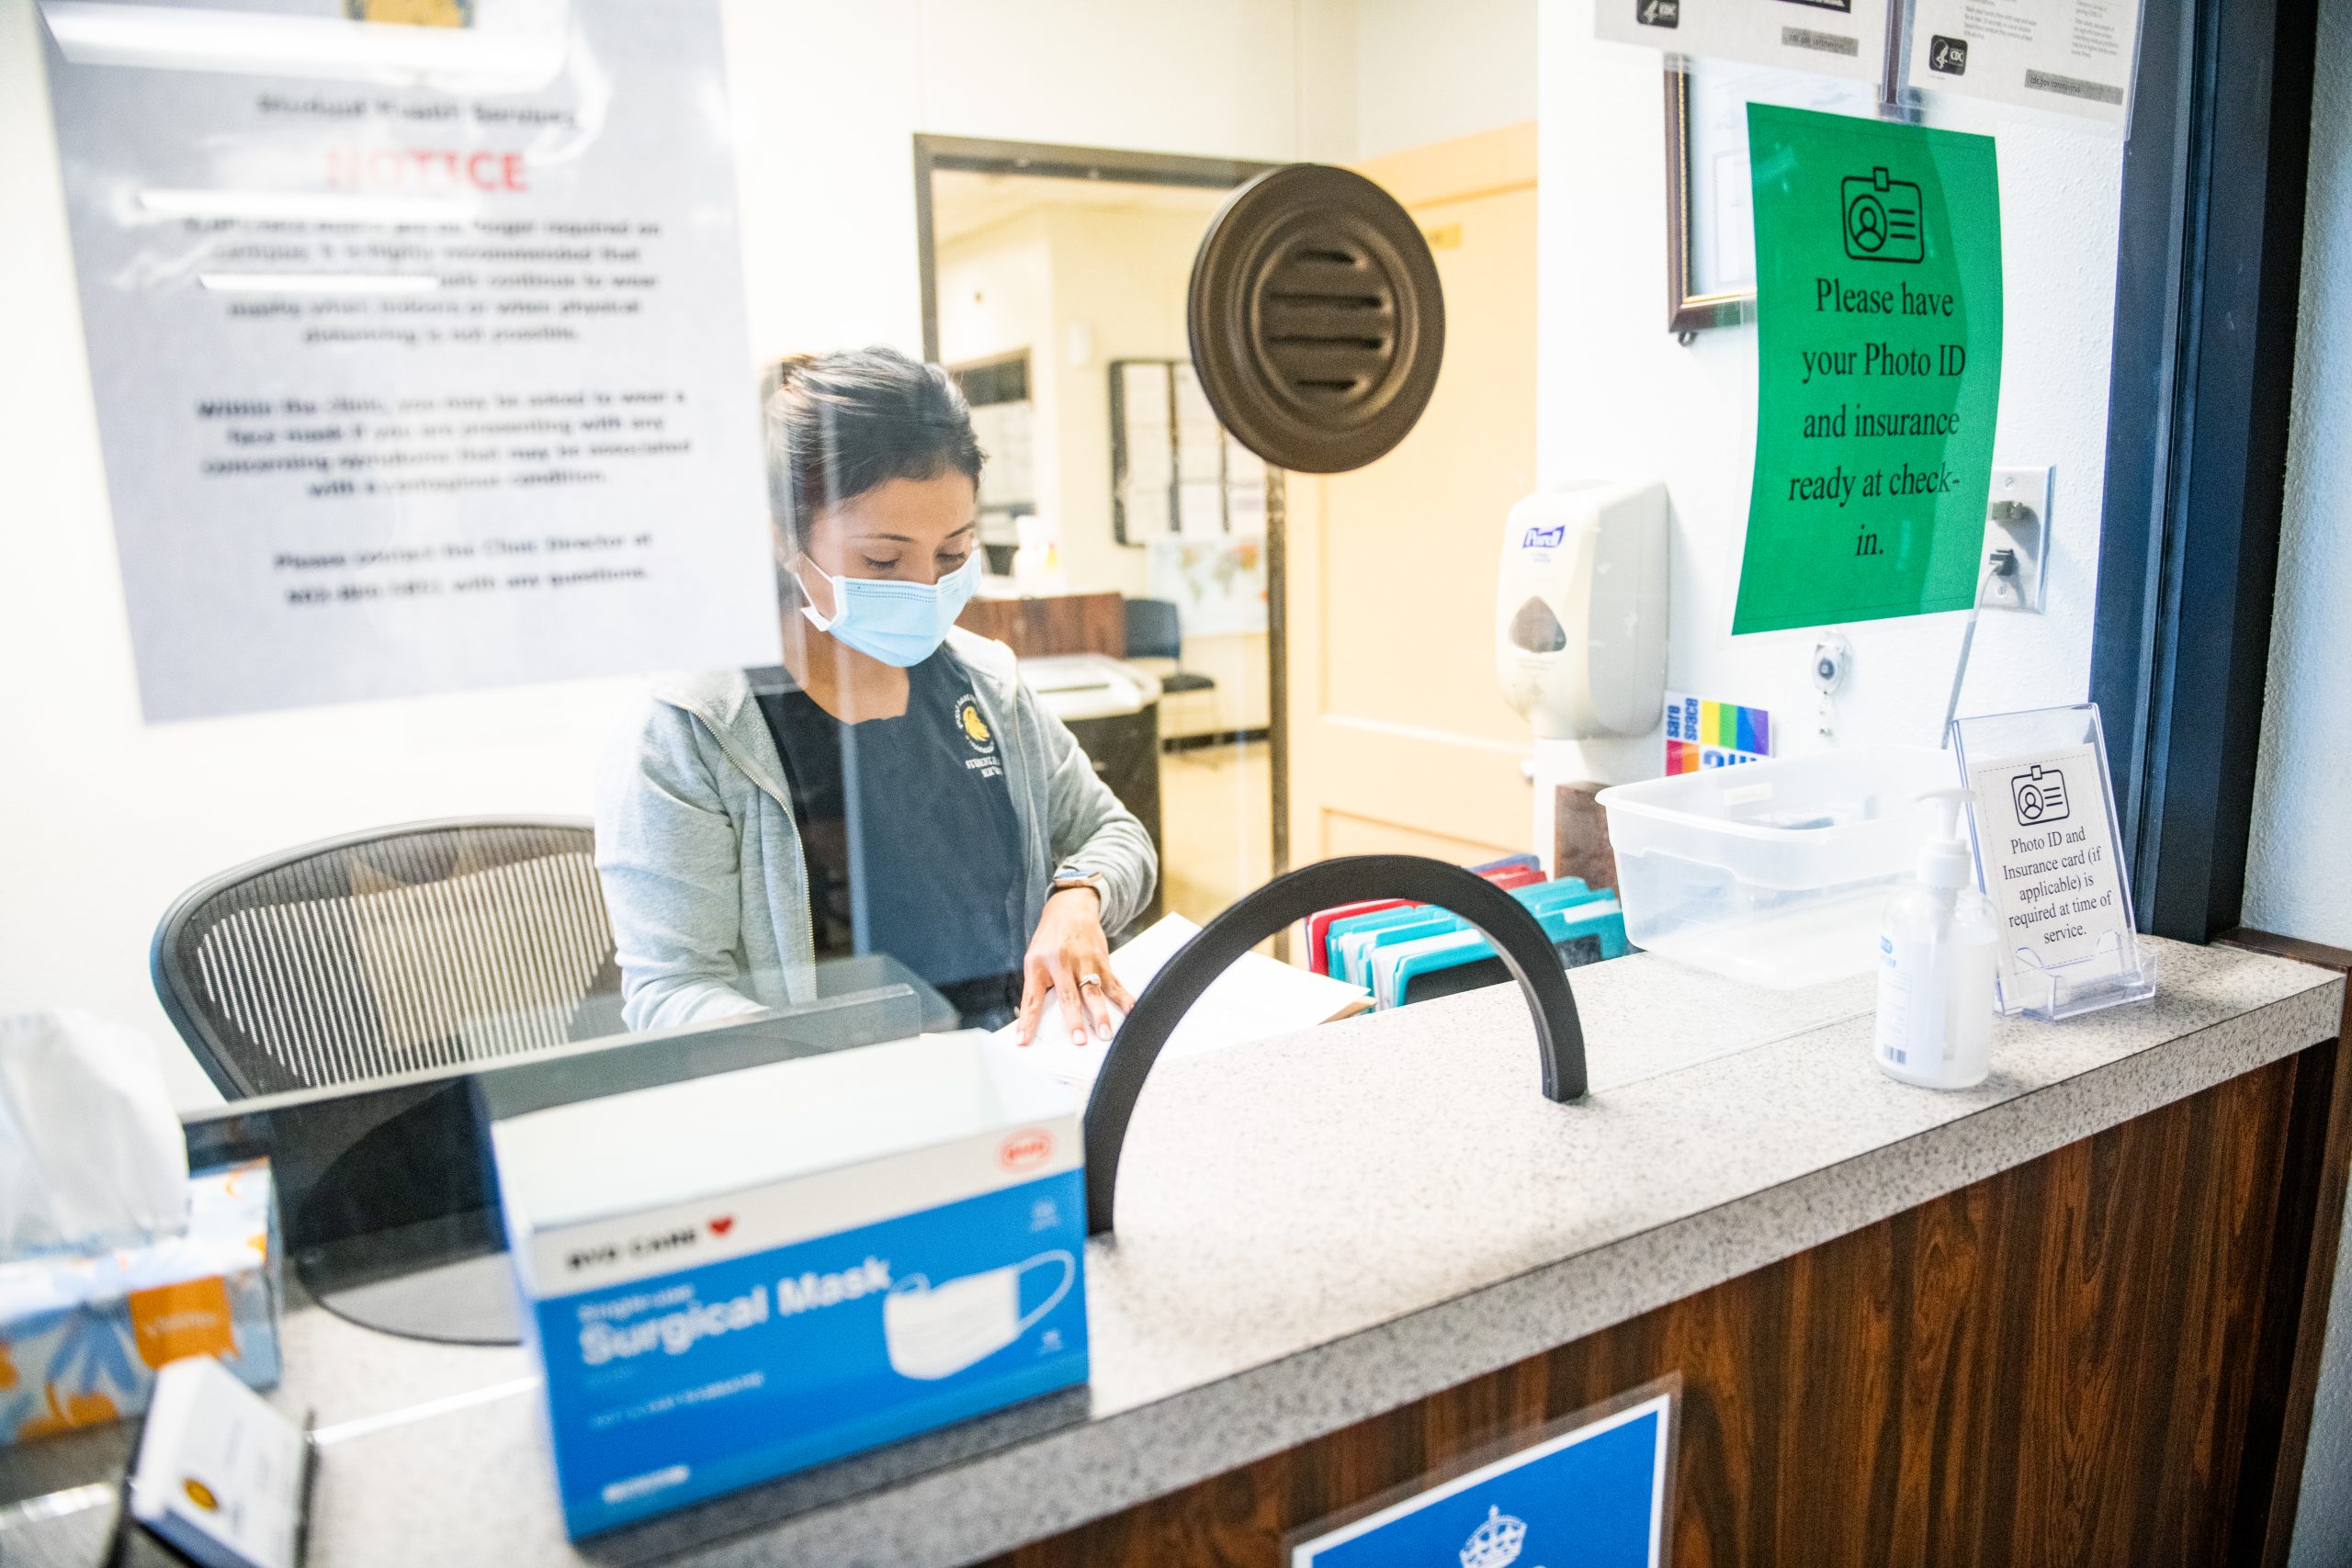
1700 734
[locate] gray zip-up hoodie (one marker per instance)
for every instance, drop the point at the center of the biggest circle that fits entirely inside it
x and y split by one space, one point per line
701 860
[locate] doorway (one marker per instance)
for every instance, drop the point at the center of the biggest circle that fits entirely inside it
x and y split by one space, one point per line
1123 528
1400 741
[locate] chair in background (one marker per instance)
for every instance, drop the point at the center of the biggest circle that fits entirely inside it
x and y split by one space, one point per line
396 950
1156 641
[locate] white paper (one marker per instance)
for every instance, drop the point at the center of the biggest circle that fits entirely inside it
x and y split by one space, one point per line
2070 56
1146 437
1257 997
1008 435
1245 508
220 1473
1835 38
429 380
1200 440
2049 863
1200 509
1145 510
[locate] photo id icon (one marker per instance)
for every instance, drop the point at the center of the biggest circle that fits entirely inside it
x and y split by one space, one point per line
2040 796
1882 220
1659 13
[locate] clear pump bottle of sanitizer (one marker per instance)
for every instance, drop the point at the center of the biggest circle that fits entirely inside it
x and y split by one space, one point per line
1935 966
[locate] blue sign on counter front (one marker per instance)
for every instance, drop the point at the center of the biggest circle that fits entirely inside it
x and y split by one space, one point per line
1593 1496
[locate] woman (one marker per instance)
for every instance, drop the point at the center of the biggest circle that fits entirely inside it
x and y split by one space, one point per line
894 787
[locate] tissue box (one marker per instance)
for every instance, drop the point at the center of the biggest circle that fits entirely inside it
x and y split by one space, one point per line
733 1277
80 1337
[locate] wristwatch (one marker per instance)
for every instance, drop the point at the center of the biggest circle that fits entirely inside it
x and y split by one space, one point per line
1098 885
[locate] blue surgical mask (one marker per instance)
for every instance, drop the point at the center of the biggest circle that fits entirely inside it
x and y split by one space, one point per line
897 623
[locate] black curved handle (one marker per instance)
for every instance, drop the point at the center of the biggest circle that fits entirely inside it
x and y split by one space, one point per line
1293 895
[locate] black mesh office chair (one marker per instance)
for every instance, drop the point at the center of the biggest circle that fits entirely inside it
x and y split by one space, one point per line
387 952
1155 632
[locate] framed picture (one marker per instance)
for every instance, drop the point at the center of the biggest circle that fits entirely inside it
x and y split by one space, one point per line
1710 218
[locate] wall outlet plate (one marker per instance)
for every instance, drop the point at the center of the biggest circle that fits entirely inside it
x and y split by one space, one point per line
2018 518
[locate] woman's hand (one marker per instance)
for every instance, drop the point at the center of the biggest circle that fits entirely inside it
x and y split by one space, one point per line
1070 955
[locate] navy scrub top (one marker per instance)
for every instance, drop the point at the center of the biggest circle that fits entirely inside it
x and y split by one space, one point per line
907 829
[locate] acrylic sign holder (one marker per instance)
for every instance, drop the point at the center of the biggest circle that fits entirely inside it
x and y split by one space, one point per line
2121 967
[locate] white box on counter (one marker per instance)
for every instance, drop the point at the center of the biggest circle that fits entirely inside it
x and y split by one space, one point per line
1774 872
735 1277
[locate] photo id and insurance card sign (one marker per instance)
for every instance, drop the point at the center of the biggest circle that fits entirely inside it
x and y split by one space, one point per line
419 350
1878 310
2050 867
1594 1492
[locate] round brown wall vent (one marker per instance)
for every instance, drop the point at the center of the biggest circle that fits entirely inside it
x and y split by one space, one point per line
1317 319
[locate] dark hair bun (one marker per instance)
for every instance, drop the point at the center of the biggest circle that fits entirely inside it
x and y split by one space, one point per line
840 424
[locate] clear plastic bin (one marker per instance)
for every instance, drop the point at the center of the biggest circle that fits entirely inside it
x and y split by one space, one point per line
1773 873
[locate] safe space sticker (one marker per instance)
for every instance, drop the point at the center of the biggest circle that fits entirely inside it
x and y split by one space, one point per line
1878 304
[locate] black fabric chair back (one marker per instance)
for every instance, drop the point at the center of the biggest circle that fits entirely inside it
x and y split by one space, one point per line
387 952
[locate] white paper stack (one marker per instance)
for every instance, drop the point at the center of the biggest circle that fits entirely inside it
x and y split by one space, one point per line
1257 997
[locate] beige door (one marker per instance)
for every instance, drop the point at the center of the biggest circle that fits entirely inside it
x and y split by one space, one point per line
1400 739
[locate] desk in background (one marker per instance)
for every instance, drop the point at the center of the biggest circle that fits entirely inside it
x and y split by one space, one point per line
1036 625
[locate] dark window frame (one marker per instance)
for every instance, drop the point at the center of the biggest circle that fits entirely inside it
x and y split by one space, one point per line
2208 272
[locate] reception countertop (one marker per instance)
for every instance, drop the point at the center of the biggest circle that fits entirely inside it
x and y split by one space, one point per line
1318 1228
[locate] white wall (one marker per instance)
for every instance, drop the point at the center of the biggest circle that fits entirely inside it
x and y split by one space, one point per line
103 820
826 96
2299 871
995 289
1120 274
1431 70
1618 396
1123 276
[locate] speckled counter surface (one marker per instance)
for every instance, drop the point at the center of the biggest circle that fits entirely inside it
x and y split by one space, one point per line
1319 1228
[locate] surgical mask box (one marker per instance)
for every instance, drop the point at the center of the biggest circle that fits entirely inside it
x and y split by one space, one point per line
735 1277
81 1338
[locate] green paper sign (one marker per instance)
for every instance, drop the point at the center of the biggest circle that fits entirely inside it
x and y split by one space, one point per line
1877 313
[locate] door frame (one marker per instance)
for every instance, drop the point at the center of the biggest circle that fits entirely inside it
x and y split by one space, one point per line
1054 160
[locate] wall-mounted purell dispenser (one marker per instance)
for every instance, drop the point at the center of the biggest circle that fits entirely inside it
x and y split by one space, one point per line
1580 610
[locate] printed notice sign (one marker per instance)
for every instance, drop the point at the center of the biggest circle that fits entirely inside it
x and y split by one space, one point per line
2072 56
2048 862
1878 307
1830 38
419 352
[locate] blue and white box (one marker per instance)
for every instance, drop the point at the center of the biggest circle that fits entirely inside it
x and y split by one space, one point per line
736 1277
